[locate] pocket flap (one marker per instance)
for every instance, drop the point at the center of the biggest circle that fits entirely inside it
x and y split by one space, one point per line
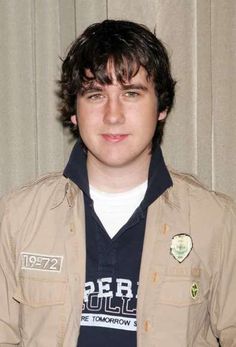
36 293
181 292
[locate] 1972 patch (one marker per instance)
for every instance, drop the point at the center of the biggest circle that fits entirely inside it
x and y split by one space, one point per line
41 262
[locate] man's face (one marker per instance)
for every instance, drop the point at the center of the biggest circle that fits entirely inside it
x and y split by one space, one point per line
117 122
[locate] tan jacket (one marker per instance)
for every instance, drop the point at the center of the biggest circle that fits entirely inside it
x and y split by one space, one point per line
180 304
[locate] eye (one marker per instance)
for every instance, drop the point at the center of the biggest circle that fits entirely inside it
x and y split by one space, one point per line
131 94
95 96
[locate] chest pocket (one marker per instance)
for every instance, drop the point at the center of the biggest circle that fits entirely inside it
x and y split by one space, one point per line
36 292
41 311
181 292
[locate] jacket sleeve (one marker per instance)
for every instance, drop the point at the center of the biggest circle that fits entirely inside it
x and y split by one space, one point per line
223 303
9 308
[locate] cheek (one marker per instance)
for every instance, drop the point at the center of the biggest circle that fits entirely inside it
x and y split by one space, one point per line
150 127
82 124
87 127
150 120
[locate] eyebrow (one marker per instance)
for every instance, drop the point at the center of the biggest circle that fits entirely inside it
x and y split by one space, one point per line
138 86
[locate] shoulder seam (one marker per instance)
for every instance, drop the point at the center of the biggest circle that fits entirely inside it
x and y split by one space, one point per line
41 179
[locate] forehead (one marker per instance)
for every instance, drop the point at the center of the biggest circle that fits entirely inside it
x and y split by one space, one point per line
140 76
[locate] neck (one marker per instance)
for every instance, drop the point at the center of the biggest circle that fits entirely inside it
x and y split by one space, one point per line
117 179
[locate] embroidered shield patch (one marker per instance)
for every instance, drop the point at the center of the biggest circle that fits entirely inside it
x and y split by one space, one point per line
181 246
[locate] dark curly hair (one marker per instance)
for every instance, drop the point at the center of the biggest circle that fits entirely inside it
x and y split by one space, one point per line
128 45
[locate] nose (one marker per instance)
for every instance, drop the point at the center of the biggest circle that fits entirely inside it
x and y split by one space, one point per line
113 113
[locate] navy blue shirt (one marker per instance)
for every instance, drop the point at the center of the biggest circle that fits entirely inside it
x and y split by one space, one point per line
113 265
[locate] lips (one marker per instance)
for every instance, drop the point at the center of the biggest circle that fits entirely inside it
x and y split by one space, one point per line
114 138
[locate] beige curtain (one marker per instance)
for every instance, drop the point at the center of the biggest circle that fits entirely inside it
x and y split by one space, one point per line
201 38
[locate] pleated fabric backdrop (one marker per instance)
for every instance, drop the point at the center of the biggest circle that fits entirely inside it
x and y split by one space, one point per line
200 36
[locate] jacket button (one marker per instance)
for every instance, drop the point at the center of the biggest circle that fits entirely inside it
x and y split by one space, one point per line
155 277
146 325
165 229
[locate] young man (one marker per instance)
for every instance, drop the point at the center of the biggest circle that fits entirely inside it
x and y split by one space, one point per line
117 251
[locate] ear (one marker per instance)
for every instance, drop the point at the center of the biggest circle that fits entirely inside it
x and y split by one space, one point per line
162 115
73 119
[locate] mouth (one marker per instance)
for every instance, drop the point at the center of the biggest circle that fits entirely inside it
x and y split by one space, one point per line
114 138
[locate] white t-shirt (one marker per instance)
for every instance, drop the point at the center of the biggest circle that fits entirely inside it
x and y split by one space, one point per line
115 209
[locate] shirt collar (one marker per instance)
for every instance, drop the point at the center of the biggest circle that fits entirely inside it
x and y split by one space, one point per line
76 168
159 179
